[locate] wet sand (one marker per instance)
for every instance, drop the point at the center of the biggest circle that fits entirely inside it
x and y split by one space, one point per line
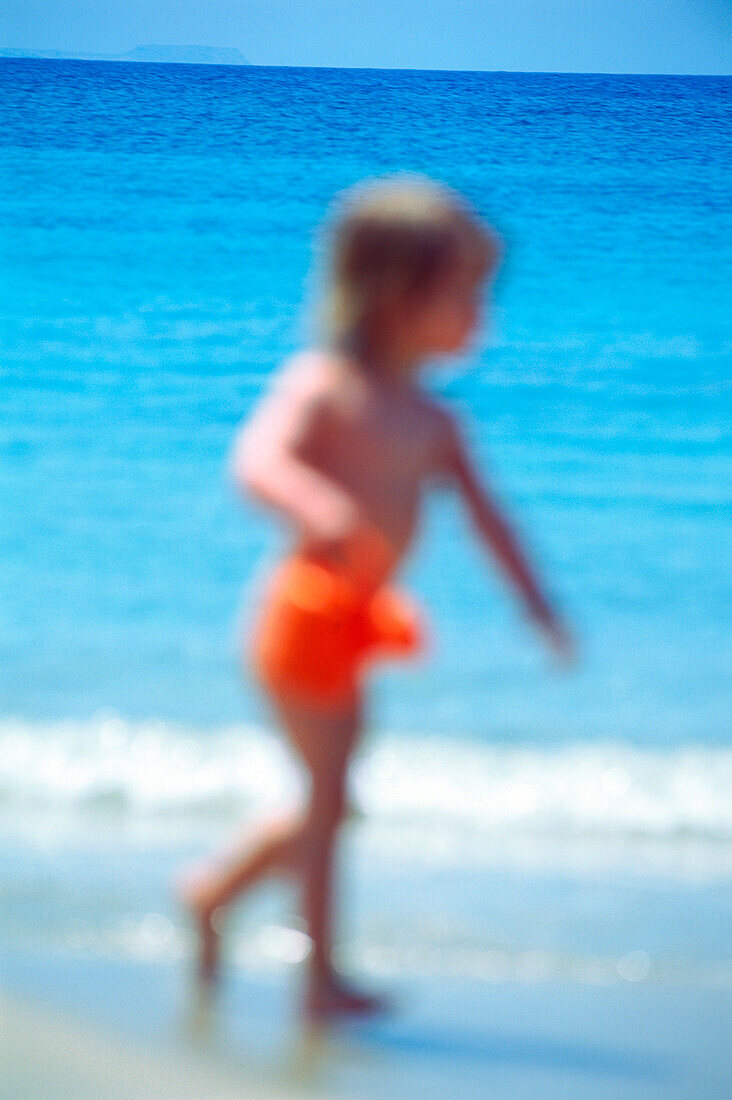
109 1028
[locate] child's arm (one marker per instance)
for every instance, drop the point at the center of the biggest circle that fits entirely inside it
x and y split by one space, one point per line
268 462
456 463
272 460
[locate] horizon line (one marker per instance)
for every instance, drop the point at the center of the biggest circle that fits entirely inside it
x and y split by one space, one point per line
10 53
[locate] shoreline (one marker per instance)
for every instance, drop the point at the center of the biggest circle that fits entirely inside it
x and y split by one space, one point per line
111 1028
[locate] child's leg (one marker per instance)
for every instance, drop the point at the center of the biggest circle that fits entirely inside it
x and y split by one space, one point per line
277 847
325 741
302 843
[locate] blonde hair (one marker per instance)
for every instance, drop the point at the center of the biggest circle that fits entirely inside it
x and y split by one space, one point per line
391 240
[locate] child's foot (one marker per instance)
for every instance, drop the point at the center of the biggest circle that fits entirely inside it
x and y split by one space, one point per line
193 892
330 997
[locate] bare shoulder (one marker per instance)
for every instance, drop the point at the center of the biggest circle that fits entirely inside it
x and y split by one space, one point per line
298 411
299 387
293 408
308 374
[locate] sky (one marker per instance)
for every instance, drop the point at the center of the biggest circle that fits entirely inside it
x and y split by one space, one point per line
614 36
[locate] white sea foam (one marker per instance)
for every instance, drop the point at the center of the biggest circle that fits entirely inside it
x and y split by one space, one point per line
429 798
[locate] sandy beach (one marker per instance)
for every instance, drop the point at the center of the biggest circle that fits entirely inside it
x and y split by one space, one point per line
46 1053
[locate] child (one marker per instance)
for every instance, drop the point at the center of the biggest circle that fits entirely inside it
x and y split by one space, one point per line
342 447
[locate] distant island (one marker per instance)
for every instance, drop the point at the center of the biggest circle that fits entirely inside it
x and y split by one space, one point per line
168 55
186 55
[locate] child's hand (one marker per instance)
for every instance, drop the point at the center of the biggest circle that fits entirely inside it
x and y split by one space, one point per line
561 641
361 552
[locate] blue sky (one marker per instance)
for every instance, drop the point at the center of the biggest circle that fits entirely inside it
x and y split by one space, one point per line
633 36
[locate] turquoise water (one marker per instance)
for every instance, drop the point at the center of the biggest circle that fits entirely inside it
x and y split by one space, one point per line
157 225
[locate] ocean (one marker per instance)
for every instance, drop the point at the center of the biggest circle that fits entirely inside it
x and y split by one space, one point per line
158 227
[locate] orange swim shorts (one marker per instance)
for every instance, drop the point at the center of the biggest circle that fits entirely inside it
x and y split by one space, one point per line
316 632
